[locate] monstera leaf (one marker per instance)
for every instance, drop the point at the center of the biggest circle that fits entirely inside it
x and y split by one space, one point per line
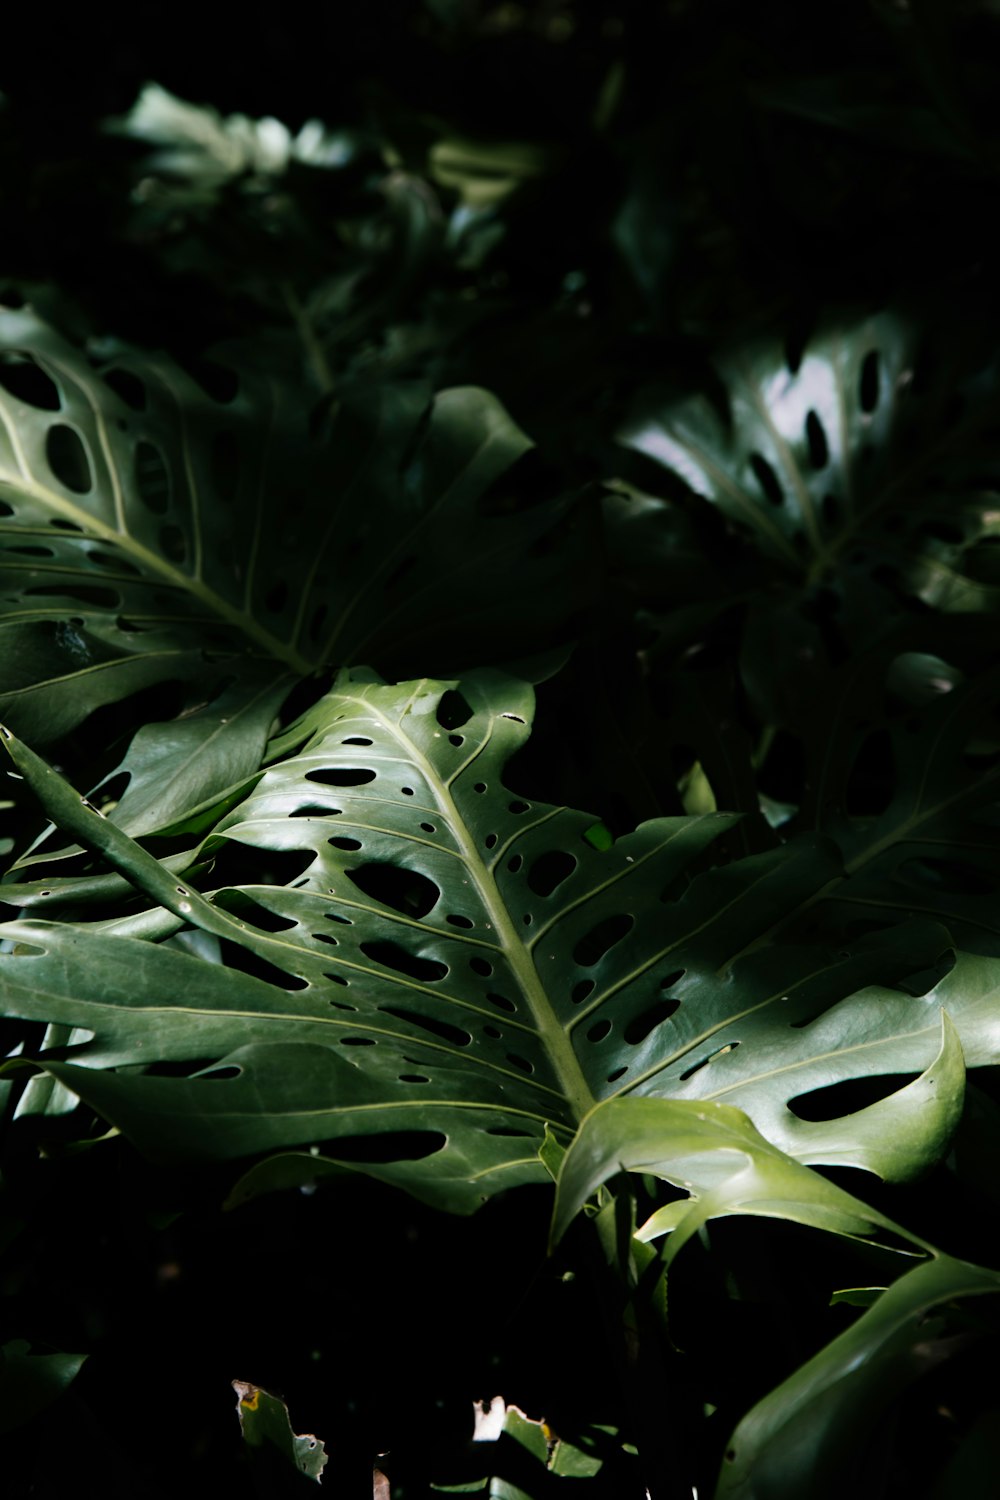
152 533
449 960
861 475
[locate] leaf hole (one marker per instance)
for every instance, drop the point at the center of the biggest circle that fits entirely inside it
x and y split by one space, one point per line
248 910
868 382
413 1078
846 1098
593 946
514 864
582 990
517 1061
405 891
480 787
357 1041
407 791
493 1032
767 479
21 376
819 452
388 1146
456 740
481 967
356 739
639 1028
413 965
703 1062
549 871
456 1036
235 956
342 776
315 810
455 920
453 711
67 458
345 843
152 478
516 717
517 806
617 1073
502 1003
599 1031
490 841
126 386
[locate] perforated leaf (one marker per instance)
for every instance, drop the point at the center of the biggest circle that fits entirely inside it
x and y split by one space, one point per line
861 475
454 961
153 532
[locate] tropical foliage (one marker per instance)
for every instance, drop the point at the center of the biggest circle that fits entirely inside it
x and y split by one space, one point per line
500 693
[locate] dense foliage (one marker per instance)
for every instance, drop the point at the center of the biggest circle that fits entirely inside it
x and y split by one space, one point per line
500 699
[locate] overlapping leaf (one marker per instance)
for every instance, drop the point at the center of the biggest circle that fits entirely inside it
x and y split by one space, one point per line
151 532
450 959
863 475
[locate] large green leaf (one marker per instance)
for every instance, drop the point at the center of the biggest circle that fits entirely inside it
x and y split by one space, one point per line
151 532
855 478
810 1435
450 959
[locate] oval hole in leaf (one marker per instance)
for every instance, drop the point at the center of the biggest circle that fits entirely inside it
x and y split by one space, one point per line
216 1073
517 806
405 891
868 382
152 478
391 1145
342 776
617 1073
251 911
126 386
24 378
413 1078
767 479
413 965
455 920
640 1026
819 452
846 1098
453 711
581 991
594 944
549 871
237 957
502 1003
315 810
481 966
356 739
455 1035
68 459
344 843
703 1062
598 1031
517 1061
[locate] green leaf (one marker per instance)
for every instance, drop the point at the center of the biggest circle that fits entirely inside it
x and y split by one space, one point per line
808 1437
713 1152
122 565
264 1420
29 1382
855 478
456 962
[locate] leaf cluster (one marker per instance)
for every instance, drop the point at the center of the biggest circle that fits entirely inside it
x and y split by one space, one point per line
500 682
